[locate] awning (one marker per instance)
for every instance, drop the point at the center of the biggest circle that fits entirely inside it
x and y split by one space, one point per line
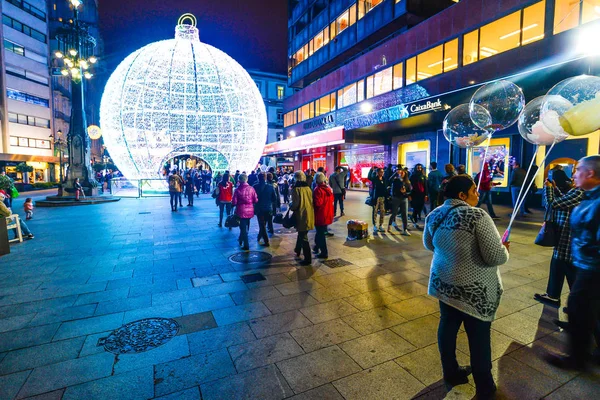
327 137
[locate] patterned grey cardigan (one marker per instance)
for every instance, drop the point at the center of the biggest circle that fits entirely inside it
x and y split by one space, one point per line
467 250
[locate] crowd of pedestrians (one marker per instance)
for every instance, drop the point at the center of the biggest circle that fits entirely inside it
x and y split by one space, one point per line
467 247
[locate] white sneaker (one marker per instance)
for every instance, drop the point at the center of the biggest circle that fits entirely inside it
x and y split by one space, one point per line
406 233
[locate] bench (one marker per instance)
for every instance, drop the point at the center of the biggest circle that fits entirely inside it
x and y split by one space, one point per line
13 222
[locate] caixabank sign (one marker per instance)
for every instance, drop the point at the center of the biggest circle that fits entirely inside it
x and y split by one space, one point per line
427 106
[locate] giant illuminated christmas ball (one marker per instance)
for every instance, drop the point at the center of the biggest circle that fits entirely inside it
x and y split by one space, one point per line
182 97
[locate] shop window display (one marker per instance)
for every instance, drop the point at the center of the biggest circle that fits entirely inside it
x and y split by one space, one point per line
359 162
498 158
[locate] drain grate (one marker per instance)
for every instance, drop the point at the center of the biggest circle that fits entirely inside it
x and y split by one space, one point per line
140 336
336 263
145 212
250 257
253 278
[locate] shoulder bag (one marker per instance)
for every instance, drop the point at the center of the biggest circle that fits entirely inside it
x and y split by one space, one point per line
289 221
547 236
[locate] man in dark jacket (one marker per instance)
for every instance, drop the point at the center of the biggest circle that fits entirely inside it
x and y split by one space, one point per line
434 180
584 297
336 182
516 183
267 198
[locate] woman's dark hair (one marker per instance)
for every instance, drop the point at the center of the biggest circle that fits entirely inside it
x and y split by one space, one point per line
225 178
458 184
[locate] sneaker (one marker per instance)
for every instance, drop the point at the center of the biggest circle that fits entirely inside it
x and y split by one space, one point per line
315 250
406 233
322 256
342 214
374 229
568 362
220 225
328 234
416 225
30 236
381 229
547 300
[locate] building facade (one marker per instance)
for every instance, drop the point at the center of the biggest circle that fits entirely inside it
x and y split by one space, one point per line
377 78
26 109
274 89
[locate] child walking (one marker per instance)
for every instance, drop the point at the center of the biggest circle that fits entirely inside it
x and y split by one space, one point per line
28 208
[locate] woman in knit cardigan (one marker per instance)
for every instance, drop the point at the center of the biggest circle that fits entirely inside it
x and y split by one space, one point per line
467 250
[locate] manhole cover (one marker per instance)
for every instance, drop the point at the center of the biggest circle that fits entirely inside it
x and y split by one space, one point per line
336 263
250 257
252 278
140 336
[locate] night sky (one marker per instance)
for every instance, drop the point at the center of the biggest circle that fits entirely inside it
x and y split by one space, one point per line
253 32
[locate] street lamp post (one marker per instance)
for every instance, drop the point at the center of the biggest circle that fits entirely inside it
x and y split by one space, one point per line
76 51
60 145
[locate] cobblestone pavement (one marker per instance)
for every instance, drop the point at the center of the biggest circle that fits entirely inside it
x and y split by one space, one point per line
362 331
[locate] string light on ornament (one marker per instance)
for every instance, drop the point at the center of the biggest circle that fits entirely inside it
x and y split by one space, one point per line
182 97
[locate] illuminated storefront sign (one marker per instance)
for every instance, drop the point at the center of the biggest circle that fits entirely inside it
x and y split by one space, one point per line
328 137
423 107
326 120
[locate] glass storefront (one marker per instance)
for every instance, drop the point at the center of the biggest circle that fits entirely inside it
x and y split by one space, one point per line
359 161
497 156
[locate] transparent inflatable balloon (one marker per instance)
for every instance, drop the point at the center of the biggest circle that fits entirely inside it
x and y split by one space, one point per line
504 102
543 129
460 130
583 93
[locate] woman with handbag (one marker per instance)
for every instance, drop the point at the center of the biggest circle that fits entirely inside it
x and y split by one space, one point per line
244 199
400 191
224 193
467 250
557 219
267 199
302 206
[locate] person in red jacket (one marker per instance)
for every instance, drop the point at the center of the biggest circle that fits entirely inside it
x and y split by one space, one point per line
323 203
485 190
225 189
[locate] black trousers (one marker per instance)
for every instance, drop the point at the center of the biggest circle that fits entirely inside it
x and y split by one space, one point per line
190 197
262 229
338 198
244 226
303 245
434 199
320 241
478 334
174 198
222 206
559 270
584 312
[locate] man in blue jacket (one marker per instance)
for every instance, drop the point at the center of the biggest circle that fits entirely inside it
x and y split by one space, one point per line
584 298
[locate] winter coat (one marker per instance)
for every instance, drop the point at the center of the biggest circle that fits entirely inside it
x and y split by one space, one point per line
379 185
419 185
267 198
397 186
225 192
467 251
323 203
302 206
243 199
337 181
175 183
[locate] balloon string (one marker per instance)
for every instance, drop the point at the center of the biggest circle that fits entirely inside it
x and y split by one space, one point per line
483 164
521 200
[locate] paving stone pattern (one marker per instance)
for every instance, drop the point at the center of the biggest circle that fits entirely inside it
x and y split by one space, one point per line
365 329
